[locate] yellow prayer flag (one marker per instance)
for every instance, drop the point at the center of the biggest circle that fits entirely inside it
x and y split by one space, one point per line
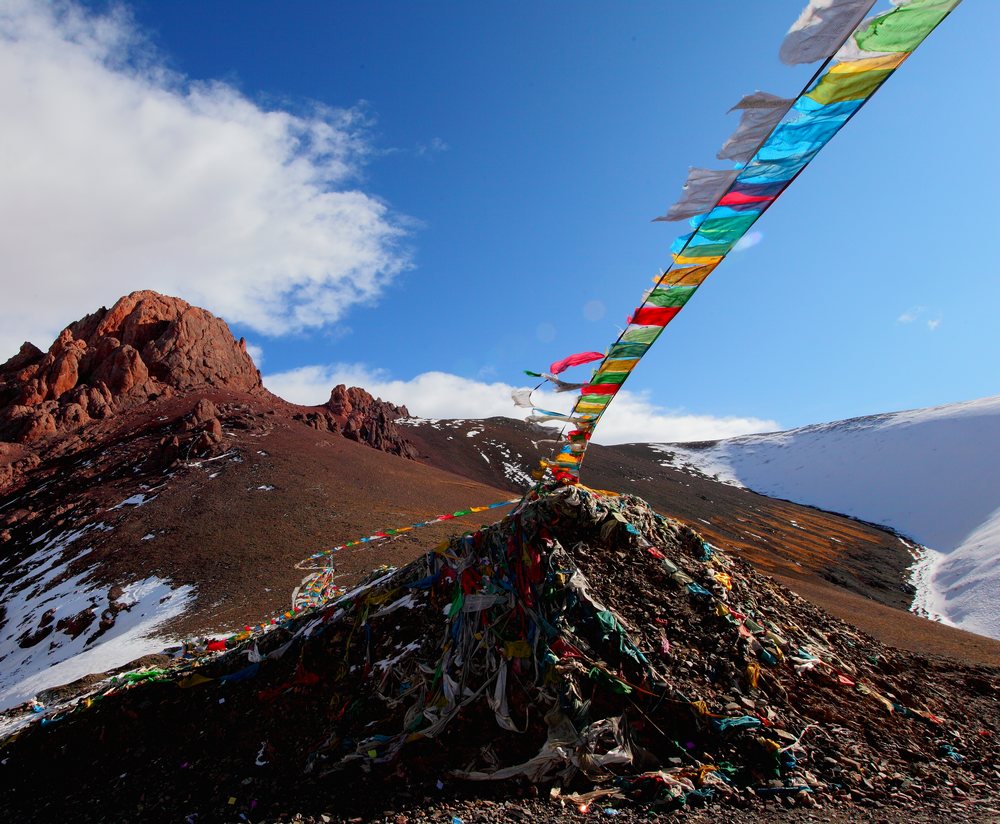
706 261
193 680
619 365
886 61
517 649
690 276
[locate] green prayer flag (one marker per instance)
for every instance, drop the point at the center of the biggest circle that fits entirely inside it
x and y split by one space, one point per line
614 633
610 682
627 350
609 377
670 297
709 250
727 228
642 334
904 28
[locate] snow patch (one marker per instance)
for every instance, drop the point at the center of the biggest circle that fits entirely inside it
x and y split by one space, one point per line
408 601
515 468
388 663
925 601
135 500
516 474
60 625
932 474
964 582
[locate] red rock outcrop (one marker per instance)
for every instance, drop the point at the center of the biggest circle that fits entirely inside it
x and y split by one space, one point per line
146 346
356 415
150 349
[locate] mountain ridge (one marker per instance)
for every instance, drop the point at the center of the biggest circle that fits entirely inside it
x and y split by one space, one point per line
186 507
931 474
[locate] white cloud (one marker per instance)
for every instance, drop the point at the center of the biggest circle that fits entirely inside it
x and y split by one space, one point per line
256 352
436 146
915 314
631 418
748 241
119 174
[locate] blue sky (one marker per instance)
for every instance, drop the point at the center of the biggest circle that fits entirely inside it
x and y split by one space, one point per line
519 152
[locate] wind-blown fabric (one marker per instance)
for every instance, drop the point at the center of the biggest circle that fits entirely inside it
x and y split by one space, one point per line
822 26
575 360
701 191
761 113
522 398
723 204
560 385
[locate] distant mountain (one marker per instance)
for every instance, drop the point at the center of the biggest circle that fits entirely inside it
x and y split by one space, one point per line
932 474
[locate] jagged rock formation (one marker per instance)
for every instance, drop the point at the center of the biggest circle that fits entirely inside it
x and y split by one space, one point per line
356 415
147 346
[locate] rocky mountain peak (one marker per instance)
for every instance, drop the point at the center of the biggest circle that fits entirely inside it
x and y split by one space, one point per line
146 346
153 361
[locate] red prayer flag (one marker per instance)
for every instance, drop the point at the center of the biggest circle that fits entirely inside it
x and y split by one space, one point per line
600 389
575 360
739 199
654 315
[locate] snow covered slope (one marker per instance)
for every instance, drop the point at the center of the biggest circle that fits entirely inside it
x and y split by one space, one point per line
932 474
59 624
